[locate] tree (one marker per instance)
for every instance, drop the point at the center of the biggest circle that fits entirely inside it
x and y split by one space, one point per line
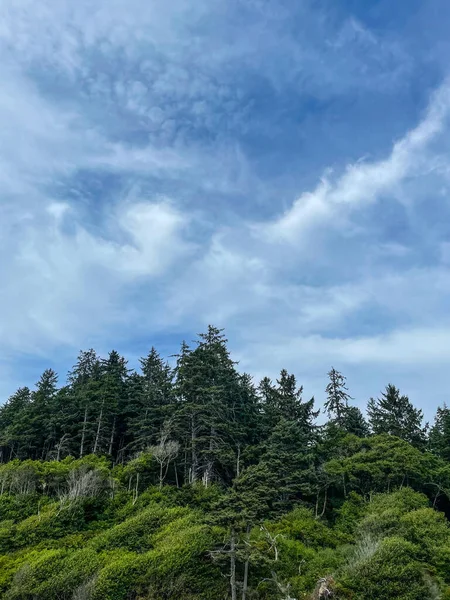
439 438
85 396
151 400
39 423
284 401
354 422
12 413
111 404
207 387
165 452
336 403
394 414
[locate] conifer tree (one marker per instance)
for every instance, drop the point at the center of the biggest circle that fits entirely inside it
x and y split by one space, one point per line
439 438
207 385
85 382
40 426
12 419
336 403
151 400
355 423
394 414
112 405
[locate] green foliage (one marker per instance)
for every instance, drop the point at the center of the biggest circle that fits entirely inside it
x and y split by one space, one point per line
351 513
391 571
119 576
255 500
135 534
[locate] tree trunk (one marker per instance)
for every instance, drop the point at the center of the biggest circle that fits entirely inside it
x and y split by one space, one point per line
324 502
111 441
161 478
194 459
233 565
83 432
97 435
136 490
246 565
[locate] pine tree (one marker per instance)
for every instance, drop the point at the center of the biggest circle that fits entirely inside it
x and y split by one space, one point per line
207 386
337 397
38 419
439 438
284 401
152 400
112 404
85 389
355 423
12 418
394 414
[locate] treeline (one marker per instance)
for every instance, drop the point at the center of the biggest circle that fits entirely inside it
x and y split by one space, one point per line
215 417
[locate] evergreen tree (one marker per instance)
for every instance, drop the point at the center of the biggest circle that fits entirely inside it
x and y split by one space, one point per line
355 423
284 474
394 414
439 438
151 400
40 424
336 403
207 385
12 417
85 383
284 401
112 404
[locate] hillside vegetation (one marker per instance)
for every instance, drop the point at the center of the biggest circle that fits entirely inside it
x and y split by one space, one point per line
193 482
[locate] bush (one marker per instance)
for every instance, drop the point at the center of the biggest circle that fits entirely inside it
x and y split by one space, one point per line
351 513
52 523
120 576
300 524
34 576
76 569
386 510
135 533
392 571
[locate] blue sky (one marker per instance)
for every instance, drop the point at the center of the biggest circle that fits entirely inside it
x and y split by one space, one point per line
278 168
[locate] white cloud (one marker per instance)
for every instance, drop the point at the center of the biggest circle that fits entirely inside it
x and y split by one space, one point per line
154 98
364 182
59 285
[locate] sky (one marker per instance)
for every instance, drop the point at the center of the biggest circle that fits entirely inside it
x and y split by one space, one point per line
278 168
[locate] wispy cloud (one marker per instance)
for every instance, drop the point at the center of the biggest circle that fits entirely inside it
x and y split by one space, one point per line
149 158
365 182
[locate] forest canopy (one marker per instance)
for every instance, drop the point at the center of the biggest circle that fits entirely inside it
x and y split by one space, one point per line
190 480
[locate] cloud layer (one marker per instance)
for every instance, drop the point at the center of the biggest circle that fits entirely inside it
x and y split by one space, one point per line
279 170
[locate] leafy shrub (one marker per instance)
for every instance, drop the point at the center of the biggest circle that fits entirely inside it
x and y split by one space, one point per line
53 522
135 533
386 510
121 575
350 513
33 577
300 524
392 571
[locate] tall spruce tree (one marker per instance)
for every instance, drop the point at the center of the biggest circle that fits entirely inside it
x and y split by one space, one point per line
151 400
112 405
207 385
13 417
439 438
394 414
284 401
336 403
85 383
